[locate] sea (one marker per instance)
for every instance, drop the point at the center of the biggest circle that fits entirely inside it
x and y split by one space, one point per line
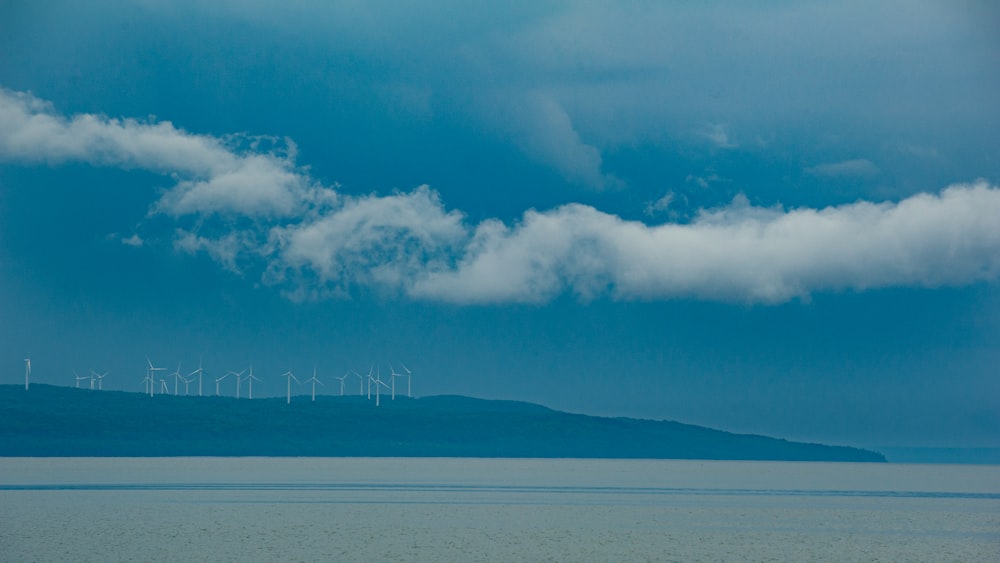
448 509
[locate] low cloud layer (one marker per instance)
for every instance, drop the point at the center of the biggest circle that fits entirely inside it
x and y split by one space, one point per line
246 203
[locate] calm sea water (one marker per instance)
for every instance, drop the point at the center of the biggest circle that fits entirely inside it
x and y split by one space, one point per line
330 509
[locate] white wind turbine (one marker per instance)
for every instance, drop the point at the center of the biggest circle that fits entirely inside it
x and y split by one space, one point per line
361 382
251 378
314 381
409 376
370 379
393 374
199 371
239 381
219 379
163 387
177 378
378 386
152 376
27 372
80 378
341 380
289 377
97 378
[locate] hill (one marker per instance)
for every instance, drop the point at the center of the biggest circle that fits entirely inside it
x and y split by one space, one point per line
61 421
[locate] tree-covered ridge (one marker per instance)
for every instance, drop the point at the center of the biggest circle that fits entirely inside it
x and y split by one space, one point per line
59 421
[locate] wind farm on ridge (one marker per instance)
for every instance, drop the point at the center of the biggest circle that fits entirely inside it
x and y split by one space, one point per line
77 420
157 382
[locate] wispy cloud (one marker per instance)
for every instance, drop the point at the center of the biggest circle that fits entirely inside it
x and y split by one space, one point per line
249 206
718 135
660 205
858 167
134 240
545 131
231 175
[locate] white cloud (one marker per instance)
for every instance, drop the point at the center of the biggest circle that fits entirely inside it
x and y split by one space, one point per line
134 240
225 249
846 168
253 210
660 205
718 134
215 175
379 241
736 253
703 181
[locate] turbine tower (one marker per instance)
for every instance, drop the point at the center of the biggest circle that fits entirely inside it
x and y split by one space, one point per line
177 378
199 371
314 381
378 386
250 378
289 377
27 372
341 379
79 378
409 376
361 382
239 381
393 374
100 379
152 376
219 379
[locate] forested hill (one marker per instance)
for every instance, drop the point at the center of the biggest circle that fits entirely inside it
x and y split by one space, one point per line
62 421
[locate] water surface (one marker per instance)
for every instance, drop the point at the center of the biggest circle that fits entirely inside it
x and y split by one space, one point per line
229 509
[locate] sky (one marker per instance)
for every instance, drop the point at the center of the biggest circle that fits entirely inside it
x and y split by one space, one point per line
776 217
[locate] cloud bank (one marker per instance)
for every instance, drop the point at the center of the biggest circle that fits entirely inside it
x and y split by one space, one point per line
245 202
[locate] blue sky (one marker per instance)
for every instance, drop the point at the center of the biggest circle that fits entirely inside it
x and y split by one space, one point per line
778 218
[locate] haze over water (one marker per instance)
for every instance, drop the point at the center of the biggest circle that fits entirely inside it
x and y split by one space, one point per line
222 509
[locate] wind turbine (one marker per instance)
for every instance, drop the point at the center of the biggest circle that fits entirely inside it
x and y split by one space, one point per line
289 377
314 382
163 387
239 381
250 378
228 373
409 376
177 378
100 379
370 379
392 378
152 376
27 372
341 379
199 371
361 382
80 378
378 386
